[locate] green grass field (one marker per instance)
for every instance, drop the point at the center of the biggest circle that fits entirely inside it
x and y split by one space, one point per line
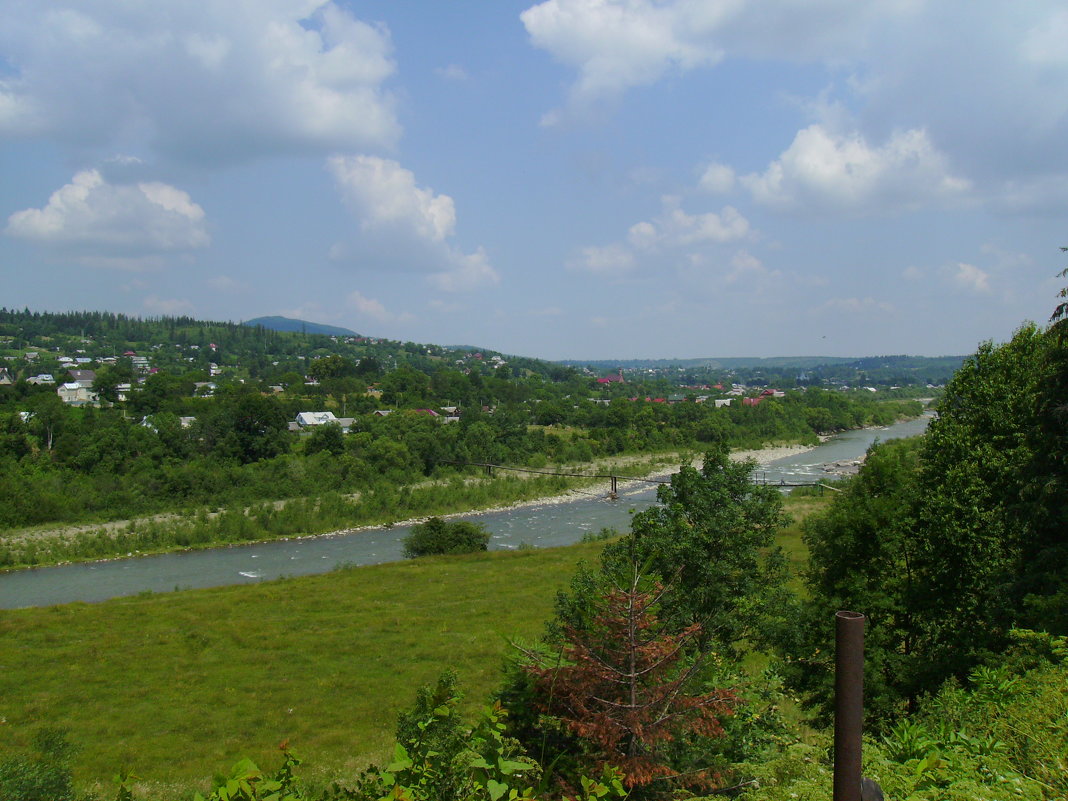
178 686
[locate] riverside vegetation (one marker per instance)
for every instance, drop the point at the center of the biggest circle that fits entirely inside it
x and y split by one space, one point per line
168 458
955 548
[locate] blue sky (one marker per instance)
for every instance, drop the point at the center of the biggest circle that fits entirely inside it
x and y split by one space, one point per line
564 179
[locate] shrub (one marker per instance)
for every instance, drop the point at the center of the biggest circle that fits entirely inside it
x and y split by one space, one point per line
437 536
45 776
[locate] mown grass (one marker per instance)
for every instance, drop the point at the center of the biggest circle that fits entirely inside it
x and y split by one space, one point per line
179 686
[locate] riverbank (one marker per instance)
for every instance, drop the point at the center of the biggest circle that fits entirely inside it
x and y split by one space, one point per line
602 488
295 519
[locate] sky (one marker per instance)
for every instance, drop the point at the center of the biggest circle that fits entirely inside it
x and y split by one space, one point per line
568 179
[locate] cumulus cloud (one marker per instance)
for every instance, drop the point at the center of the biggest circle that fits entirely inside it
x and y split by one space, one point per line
672 231
823 170
968 277
746 268
607 260
386 196
373 309
1002 116
613 45
405 224
202 80
675 228
96 220
618 44
718 179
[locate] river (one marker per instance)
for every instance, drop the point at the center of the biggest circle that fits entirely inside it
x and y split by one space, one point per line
539 525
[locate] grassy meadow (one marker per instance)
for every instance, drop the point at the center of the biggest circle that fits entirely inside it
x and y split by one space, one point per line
178 686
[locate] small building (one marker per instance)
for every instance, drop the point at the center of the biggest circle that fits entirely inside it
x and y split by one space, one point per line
612 379
311 419
83 376
77 393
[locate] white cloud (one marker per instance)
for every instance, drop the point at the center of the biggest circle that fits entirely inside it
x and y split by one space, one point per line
672 230
745 267
385 195
990 95
609 260
202 80
465 271
718 179
98 221
405 224
613 45
822 170
912 273
618 44
374 309
675 228
968 277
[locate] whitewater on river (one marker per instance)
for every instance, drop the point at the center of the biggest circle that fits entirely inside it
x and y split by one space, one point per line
543 524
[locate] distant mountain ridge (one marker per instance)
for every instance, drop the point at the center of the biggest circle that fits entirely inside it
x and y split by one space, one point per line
276 323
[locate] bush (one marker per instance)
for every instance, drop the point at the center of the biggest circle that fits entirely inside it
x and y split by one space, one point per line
437 536
44 776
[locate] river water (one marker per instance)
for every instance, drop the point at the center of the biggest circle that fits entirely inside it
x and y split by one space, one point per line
541 525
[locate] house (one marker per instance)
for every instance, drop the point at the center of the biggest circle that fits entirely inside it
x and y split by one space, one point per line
77 393
721 402
751 401
382 412
83 376
612 379
309 419
5 377
204 388
42 378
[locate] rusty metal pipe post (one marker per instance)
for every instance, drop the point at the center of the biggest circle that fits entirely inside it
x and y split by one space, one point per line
848 704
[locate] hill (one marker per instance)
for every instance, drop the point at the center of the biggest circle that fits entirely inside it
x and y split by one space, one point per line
299 326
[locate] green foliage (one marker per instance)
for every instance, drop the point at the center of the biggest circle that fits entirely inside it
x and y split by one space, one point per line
946 547
248 783
437 536
43 776
711 535
859 552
